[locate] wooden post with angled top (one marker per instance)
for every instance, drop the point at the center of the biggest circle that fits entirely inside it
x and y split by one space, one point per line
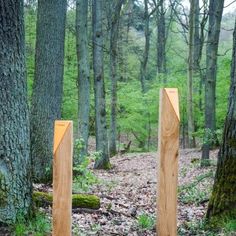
167 167
62 178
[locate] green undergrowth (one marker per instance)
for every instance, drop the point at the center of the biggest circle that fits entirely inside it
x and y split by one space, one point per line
83 176
192 193
146 221
40 225
215 227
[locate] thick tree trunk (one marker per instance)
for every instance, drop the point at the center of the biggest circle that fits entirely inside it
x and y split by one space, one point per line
15 163
215 15
83 68
223 198
190 115
47 88
161 40
115 17
99 88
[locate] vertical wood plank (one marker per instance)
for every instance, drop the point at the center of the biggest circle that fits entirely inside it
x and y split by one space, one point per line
167 164
62 178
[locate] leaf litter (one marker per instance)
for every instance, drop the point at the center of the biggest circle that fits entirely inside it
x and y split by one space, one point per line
128 191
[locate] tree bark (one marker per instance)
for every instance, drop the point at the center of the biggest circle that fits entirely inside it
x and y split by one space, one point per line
196 37
143 64
161 40
114 32
215 16
47 87
223 198
99 88
190 115
83 69
15 163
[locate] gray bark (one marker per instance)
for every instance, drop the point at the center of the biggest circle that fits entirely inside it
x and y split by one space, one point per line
143 64
196 36
215 16
223 199
15 162
191 64
114 32
83 68
161 40
47 87
99 87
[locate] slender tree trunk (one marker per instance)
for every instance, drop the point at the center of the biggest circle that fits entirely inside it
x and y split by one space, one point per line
223 198
215 15
47 88
161 40
115 17
196 37
191 140
83 68
99 88
15 162
143 66
202 26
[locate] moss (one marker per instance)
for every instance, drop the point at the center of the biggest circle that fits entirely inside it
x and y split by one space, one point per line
42 199
232 142
221 221
85 201
223 198
3 191
107 166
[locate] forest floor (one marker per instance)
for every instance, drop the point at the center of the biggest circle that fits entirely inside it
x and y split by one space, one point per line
128 196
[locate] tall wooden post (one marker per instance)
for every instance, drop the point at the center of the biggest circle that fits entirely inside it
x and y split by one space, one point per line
167 168
62 178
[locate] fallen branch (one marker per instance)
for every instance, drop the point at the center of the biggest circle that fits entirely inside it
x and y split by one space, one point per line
43 199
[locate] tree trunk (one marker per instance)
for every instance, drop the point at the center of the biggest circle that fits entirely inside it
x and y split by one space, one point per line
191 140
143 66
215 16
83 68
202 26
114 32
223 198
47 88
161 40
99 88
15 163
196 36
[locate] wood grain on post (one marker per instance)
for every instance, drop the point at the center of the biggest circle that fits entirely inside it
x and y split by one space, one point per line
167 168
62 178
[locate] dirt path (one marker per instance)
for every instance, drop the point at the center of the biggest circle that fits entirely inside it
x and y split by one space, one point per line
128 191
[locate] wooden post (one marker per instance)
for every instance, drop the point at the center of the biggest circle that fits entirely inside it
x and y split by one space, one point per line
167 168
62 178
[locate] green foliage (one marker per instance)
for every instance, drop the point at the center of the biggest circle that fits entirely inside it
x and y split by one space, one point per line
83 177
196 228
40 225
205 228
137 113
146 221
230 225
192 193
